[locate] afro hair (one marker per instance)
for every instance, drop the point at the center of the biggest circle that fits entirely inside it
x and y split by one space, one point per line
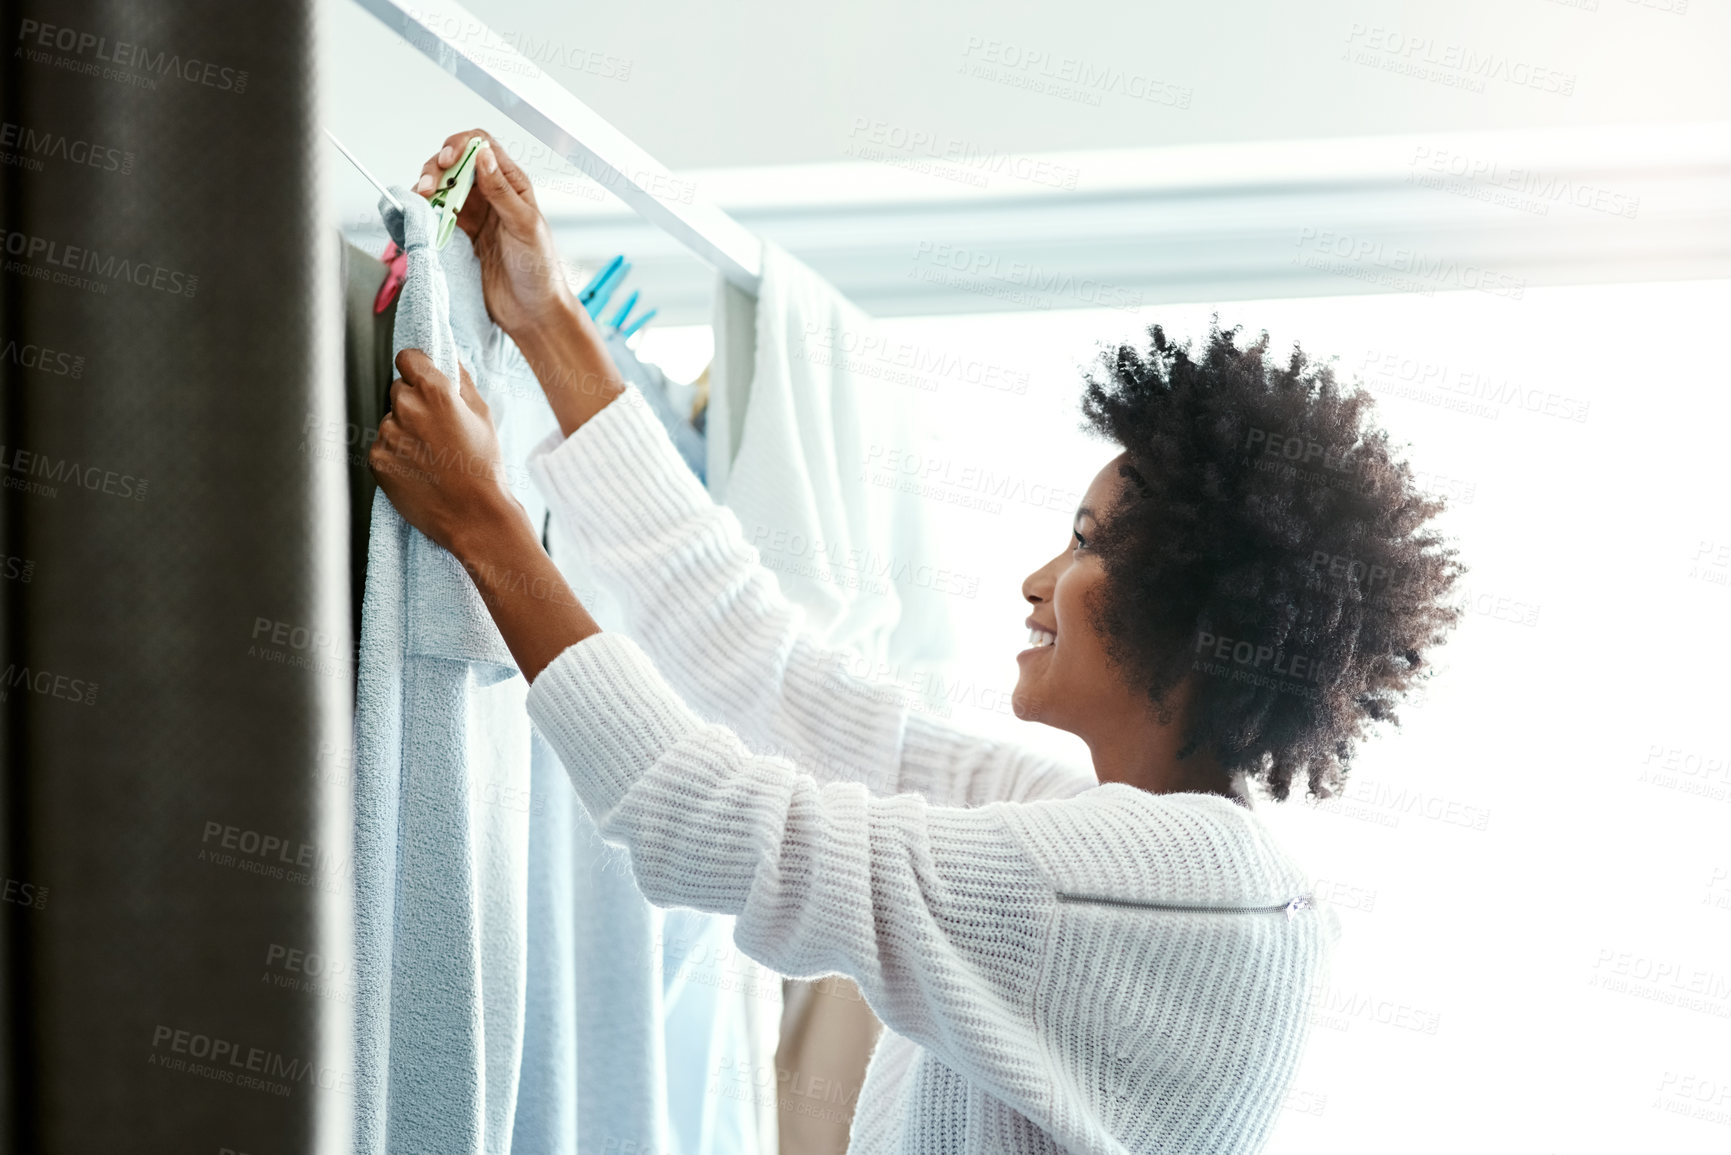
1268 542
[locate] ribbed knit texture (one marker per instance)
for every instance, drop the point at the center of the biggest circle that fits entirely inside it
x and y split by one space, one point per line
982 896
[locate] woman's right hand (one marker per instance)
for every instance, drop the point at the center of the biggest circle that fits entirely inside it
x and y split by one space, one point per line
521 278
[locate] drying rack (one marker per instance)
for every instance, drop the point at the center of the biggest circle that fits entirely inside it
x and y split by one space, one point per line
461 44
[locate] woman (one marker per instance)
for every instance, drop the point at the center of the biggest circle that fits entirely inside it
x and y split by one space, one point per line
1108 962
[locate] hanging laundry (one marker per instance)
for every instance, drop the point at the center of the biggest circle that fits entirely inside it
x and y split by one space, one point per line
442 744
793 428
594 1058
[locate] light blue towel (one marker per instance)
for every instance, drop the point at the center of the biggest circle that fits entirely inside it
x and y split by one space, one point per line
442 782
594 1062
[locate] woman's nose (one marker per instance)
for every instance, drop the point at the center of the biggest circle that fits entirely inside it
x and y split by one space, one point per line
1037 586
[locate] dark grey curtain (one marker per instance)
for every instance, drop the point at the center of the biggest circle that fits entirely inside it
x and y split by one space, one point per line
175 655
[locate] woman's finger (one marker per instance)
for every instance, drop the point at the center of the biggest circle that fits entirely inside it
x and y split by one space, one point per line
517 212
418 370
431 172
514 174
469 393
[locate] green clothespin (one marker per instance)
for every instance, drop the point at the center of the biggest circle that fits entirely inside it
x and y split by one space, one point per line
454 189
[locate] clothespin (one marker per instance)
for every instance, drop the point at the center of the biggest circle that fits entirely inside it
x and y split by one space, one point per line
603 287
454 188
396 271
624 310
600 288
600 278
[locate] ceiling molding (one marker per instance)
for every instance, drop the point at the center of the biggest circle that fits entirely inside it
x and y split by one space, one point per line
919 232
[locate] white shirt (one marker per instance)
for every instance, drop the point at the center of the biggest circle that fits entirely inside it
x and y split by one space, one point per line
1061 965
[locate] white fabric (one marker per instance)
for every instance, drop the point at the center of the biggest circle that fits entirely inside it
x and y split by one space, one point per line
813 419
930 865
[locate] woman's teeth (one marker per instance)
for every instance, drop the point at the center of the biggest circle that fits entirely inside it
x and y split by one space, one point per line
1041 638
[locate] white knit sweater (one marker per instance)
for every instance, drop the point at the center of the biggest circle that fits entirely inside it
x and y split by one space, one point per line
1021 930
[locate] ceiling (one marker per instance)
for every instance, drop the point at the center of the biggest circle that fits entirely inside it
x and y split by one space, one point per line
1168 152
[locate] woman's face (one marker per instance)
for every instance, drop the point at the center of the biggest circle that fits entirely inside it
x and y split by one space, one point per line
1066 680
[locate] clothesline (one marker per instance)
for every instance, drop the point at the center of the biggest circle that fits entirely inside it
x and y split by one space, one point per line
463 45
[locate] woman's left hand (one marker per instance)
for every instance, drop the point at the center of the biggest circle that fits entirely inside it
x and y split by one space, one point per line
437 455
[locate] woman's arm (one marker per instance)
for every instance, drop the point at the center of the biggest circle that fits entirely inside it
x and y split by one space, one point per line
699 600
940 914
715 621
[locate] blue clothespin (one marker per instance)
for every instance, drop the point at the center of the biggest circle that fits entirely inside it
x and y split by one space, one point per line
638 323
624 310
600 287
598 280
605 291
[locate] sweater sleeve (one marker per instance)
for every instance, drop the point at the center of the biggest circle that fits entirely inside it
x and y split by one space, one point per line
714 620
938 913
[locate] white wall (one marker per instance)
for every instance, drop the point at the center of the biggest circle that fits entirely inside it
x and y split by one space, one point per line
1477 1005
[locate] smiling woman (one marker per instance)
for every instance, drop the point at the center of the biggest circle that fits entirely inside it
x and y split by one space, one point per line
1254 564
1101 963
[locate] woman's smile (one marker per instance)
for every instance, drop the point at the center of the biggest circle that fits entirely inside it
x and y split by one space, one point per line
1039 638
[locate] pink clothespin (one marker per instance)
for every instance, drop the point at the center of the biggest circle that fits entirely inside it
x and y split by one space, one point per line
396 270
